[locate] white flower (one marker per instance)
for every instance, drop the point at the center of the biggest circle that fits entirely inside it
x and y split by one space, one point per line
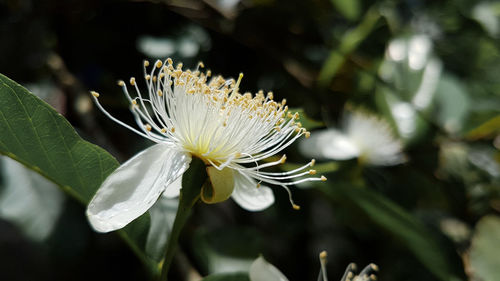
187 113
261 270
363 135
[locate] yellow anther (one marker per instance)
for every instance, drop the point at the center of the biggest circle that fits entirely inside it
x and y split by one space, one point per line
373 277
95 94
308 134
163 130
296 207
350 275
160 93
283 159
209 73
258 185
237 85
158 64
323 178
312 172
148 77
296 116
146 63
323 255
270 95
179 66
289 115
132 81
283 102
120 83
162 75
154 78
172 130
200 64
148 127
373 266
313 161
134 102
169 61
299 124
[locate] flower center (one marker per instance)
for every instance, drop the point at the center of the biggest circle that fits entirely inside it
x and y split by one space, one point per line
212 120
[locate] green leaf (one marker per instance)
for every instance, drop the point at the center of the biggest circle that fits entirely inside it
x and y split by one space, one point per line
348 43
485 248
226 249
485 130
350 9
34 134
237 276
453 103
398 222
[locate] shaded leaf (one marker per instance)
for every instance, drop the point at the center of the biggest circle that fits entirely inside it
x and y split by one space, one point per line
401 224
36 135
227 249
238 276
348 43
162 216
350 9
453 103
485 248
487 129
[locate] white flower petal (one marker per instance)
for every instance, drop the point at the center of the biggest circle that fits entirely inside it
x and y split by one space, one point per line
375 139
248 195
331 144
261 270
135 186
173 190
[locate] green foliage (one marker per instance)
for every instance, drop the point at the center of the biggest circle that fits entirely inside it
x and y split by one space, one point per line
241 276
36 135
402 225
350 9
484 249
40 138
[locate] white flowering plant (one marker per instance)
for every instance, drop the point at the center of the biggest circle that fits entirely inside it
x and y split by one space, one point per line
183 174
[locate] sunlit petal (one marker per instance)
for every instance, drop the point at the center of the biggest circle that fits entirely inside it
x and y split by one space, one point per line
174 189
135 186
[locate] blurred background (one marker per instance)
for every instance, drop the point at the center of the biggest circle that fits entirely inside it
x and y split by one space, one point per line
430 68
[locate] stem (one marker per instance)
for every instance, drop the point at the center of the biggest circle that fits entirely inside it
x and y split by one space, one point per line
192 180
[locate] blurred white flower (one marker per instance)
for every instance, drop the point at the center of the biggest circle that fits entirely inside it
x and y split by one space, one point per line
261 270
187 113
362 135
29 200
